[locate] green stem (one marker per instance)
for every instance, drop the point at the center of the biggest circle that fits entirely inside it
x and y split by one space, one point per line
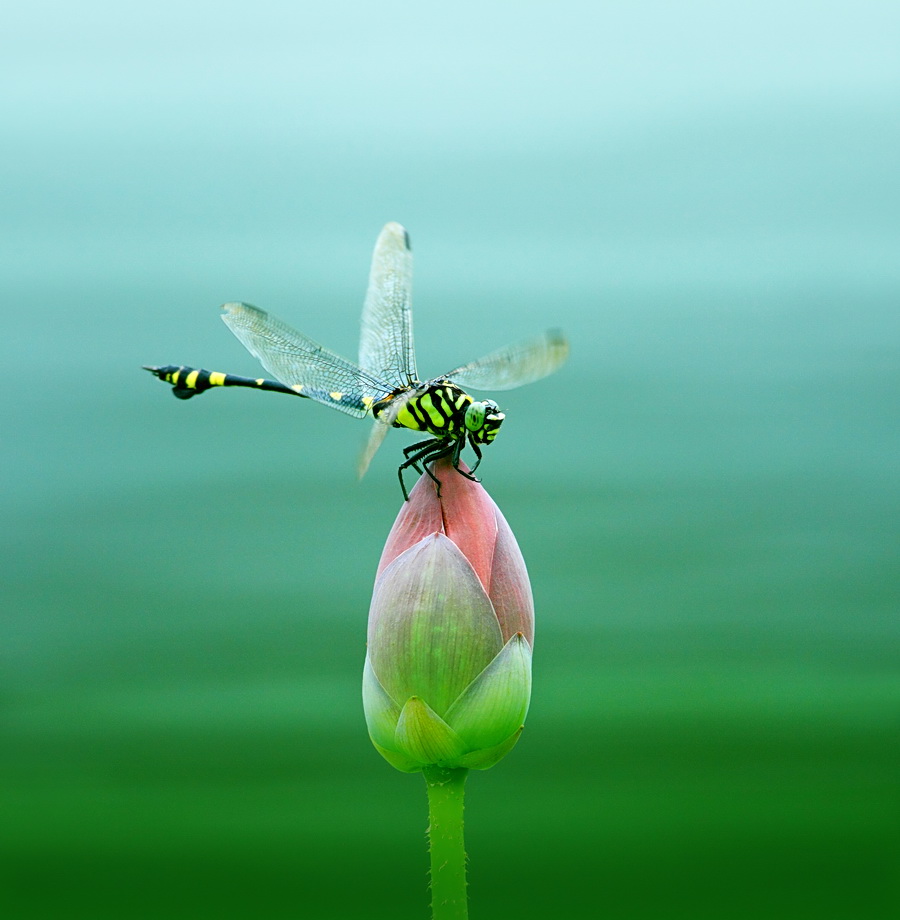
445 834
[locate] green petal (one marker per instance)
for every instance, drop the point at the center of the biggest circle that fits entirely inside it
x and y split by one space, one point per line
381 711
484 760
432 628
494 705
425 736
400 761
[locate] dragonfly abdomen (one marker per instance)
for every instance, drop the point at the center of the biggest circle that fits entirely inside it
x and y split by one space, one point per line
191 381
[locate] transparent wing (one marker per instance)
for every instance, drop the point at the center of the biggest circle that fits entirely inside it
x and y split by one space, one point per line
300 363
515 365
386 337
380 429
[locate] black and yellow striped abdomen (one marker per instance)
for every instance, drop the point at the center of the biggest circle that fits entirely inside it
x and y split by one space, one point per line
191 381
439 410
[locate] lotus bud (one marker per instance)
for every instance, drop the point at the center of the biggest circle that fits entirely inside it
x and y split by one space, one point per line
447 678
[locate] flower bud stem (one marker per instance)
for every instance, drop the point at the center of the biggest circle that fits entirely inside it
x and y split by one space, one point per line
445 835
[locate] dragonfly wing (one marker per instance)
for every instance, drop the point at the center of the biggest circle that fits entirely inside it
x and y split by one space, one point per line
515 365
386 337
301 363
380 429
376 436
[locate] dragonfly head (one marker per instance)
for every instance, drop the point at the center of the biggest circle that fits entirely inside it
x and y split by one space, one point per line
483 420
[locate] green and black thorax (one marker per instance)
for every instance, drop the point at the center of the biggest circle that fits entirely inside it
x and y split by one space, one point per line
442 409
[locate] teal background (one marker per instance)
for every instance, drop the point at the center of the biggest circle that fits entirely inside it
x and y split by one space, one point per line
706 197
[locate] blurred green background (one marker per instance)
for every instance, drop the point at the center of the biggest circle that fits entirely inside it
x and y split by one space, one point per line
706 197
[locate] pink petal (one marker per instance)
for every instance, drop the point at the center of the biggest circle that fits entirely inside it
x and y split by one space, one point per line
418 518
510 589
464 513
469 518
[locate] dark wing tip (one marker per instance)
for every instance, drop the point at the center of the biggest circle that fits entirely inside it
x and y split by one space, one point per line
394 235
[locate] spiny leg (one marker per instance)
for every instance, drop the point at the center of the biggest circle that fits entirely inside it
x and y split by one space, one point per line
436 455
433 450
407 451
477 451
457 450
429 444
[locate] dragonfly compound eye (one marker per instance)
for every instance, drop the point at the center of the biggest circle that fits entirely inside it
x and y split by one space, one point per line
491 418
475 415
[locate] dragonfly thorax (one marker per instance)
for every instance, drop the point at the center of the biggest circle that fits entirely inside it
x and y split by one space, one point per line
444 411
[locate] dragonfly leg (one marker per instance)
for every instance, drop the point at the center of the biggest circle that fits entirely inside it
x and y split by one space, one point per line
407 451
431 449
457 450
477 451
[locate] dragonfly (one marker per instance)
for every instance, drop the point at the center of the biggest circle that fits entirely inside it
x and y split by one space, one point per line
384 385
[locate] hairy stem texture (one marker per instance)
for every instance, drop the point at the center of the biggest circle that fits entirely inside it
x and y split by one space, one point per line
445 835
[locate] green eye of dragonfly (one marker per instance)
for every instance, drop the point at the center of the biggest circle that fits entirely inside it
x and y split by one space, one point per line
475 416
384 384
